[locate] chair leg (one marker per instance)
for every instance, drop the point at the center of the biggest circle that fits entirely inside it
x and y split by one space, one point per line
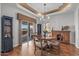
41 51
59 50
35 50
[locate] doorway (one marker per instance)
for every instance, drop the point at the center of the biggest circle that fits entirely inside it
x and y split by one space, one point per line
26 28
24 32
24 35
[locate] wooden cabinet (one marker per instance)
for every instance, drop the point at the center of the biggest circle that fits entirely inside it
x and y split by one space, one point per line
65 34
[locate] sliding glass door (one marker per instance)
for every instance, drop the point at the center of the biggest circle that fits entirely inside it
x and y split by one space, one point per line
24 31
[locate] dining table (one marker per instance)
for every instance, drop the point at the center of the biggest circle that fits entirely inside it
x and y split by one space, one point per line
46 40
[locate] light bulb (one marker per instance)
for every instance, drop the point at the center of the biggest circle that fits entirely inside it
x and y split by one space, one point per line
48 17
39 14
40 18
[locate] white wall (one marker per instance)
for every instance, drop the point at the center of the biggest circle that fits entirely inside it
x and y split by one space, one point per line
57 21
62 19
0 26
10 9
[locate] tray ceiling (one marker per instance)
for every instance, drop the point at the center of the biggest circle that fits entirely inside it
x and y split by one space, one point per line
37 8
49 6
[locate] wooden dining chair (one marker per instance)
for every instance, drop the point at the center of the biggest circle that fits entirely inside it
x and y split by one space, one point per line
56 43
38 43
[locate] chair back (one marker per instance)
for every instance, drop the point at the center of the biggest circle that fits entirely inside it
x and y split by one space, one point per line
36 39
59 37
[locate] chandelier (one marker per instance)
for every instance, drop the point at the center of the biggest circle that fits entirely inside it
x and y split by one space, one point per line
44 16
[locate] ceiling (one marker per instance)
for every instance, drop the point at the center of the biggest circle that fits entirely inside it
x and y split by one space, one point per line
49 6
37 8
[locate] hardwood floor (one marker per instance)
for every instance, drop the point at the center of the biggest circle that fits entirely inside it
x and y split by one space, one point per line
27 49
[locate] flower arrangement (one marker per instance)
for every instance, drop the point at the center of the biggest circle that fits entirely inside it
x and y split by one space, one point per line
45 32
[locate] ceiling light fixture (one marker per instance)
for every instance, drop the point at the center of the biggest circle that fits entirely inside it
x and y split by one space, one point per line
45 16
39 14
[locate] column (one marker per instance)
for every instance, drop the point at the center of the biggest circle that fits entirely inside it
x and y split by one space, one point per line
77 27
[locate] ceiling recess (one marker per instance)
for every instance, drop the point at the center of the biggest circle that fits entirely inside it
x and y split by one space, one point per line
33 10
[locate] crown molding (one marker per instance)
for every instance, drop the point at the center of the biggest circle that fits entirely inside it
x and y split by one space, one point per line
27 6
57 9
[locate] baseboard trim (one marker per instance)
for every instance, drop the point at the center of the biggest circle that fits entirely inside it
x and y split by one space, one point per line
77 46
15 45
